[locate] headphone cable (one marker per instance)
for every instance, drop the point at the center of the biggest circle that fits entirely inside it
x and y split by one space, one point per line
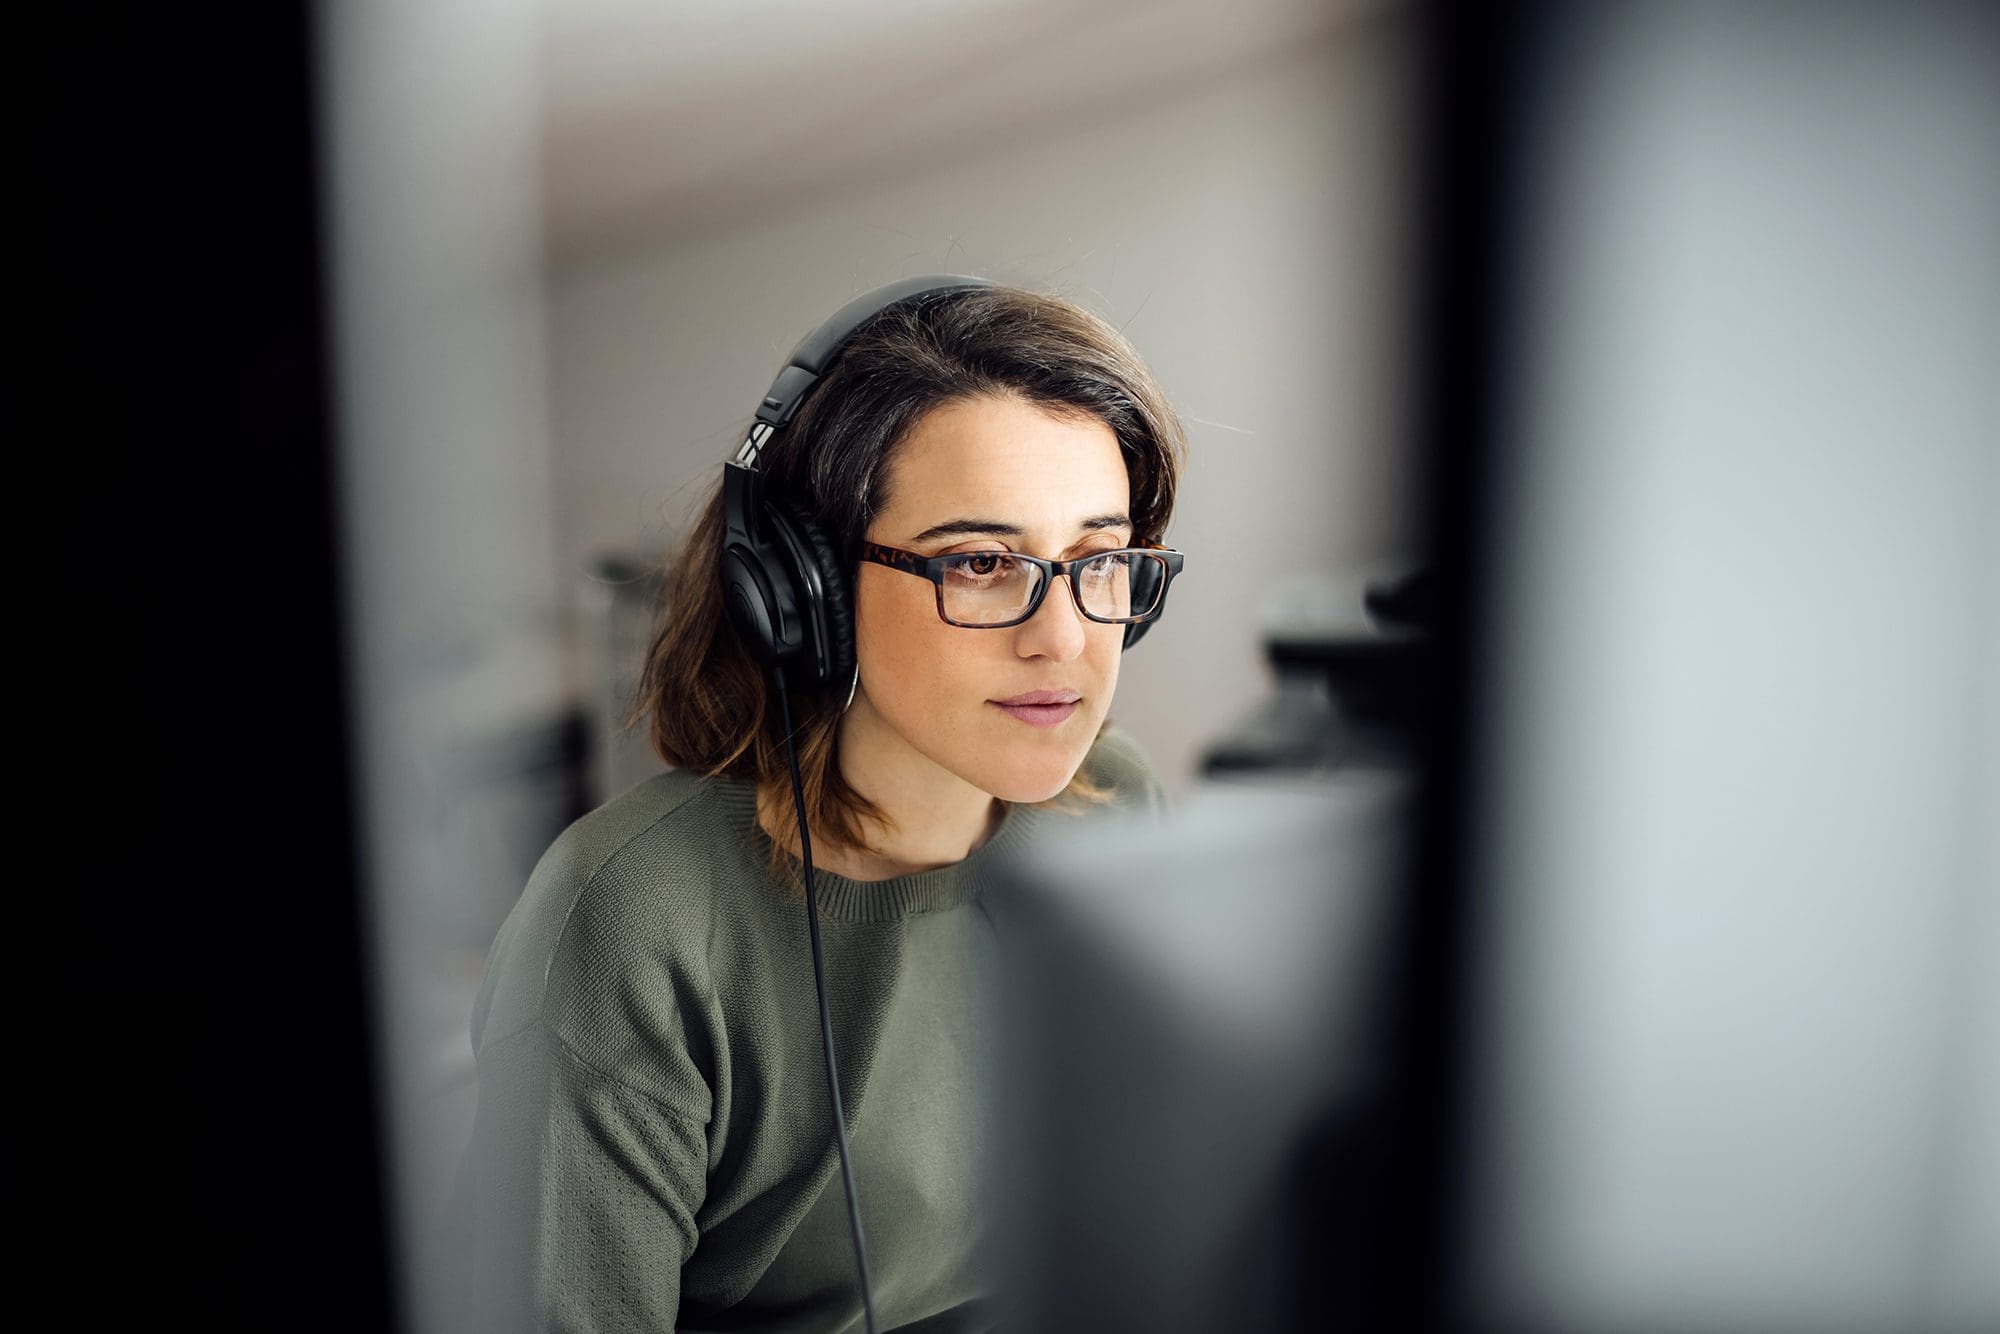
825 1022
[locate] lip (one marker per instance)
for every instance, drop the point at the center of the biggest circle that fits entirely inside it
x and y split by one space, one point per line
1040 697
1038 715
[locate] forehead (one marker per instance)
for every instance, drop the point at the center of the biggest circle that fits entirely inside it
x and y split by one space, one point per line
1006 459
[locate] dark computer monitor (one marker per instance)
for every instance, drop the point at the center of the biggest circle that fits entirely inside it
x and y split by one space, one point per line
1191 1018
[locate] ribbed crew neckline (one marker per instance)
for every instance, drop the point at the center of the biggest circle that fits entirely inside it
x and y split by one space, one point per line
845 900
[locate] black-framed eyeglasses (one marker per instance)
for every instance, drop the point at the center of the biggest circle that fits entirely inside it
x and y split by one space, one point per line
989 590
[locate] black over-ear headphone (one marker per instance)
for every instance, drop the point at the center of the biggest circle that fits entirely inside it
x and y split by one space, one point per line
784 583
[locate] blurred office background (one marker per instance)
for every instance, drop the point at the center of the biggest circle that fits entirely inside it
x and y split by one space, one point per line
1664 332
574 241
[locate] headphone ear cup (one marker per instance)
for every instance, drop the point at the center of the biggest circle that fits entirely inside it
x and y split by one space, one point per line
748 600
830 616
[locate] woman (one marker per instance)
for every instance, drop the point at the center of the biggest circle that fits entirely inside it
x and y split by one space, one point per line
655 1144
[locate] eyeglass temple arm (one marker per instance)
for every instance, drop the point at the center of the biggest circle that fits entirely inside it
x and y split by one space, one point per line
901 560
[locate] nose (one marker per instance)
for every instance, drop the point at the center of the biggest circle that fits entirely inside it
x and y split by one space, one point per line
1056 630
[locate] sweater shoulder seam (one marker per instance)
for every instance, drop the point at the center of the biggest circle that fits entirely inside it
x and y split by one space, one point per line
537 1027
578 1059
695 789
540 1013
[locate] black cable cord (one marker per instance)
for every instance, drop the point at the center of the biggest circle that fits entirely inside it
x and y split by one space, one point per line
825 1023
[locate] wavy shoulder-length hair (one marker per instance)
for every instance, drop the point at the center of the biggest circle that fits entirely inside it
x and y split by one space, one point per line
706 698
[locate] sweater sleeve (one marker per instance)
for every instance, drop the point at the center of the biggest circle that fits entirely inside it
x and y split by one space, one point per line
578 1195
577 1192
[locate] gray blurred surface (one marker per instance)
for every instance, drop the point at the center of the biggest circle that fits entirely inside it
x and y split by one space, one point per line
1742 1015
459 656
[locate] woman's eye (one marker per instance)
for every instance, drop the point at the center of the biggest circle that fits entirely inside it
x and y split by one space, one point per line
982 565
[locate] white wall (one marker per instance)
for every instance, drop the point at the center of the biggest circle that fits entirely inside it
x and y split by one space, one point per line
1245 233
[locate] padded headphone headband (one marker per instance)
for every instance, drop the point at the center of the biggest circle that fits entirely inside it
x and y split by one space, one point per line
816 351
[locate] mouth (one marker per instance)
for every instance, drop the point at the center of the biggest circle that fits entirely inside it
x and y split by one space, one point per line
1040 708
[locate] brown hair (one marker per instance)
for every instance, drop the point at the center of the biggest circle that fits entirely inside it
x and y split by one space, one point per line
707 698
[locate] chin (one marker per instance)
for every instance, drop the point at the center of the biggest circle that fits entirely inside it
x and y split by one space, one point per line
1031 780
1025 794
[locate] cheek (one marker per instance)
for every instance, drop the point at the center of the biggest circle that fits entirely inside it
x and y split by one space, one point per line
912 661
1105 653
884 630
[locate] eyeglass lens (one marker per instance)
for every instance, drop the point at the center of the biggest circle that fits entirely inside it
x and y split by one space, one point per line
991 587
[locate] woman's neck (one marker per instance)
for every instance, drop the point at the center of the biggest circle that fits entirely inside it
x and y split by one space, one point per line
936 818
899 852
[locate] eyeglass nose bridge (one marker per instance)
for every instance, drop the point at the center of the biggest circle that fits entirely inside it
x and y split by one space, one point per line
1048 583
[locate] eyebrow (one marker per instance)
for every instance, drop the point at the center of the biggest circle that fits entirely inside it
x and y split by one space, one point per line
1001 528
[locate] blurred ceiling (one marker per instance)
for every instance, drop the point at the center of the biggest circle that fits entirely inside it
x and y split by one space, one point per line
666 119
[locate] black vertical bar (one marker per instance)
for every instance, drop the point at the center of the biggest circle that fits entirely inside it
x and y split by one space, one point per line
1475 75
200 1135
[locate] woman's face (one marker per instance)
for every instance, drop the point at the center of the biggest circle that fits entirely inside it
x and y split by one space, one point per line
1004 475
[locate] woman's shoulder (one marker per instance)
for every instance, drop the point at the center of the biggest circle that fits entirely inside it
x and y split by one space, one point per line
1117 761
626 893
600 834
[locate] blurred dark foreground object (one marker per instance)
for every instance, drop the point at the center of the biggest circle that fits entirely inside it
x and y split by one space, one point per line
1191 1078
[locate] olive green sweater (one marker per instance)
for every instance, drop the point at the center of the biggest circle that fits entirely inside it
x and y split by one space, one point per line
653 1147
